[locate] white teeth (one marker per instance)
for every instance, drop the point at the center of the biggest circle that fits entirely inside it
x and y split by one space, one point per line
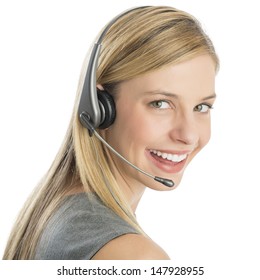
164 155
170 157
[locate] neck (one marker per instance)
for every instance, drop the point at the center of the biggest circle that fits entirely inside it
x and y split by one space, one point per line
132 190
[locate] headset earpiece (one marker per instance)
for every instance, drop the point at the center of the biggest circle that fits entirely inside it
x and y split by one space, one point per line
107 108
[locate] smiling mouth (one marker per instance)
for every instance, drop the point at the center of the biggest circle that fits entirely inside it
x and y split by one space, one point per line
168 162
169 157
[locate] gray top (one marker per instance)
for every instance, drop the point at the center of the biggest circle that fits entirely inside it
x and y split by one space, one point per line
81 226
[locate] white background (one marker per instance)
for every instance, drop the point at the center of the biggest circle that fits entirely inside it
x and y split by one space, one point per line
212 218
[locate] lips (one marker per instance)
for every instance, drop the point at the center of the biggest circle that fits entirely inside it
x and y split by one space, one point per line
168 162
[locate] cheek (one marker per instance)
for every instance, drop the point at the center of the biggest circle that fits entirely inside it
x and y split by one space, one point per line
204 137
205 134
137 129
132 129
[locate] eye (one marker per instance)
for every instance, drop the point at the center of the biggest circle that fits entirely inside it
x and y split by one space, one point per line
203 108
160 104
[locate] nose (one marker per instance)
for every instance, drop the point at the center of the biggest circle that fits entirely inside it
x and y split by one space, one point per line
185 130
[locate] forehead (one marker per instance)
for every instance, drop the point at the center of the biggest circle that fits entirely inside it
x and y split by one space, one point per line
192 78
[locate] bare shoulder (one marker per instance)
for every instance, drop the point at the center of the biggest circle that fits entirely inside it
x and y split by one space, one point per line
131 247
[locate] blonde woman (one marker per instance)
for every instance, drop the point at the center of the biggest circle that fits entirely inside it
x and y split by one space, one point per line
141 114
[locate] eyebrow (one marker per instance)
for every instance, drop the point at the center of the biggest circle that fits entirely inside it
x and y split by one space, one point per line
173 95
210 96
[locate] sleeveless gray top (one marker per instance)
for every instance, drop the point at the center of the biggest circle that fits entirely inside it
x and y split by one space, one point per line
80 227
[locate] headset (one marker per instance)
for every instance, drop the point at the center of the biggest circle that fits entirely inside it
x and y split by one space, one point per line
97 108
96 105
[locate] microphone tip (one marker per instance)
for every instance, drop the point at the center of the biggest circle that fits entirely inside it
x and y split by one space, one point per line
167 182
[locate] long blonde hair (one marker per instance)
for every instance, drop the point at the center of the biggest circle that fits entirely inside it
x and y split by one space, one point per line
139 42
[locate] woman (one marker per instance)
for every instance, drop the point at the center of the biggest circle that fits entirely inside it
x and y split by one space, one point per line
155 86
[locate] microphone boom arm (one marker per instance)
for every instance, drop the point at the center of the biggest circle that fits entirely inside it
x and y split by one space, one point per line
166 182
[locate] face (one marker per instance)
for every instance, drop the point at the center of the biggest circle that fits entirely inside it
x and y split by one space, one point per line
163 121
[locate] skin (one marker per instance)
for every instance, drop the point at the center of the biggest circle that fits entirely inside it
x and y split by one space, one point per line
166 110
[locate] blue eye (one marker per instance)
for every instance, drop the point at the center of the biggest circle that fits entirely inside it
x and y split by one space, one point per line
203 108
160 104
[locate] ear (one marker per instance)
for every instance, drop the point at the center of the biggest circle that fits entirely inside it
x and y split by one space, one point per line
99 86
